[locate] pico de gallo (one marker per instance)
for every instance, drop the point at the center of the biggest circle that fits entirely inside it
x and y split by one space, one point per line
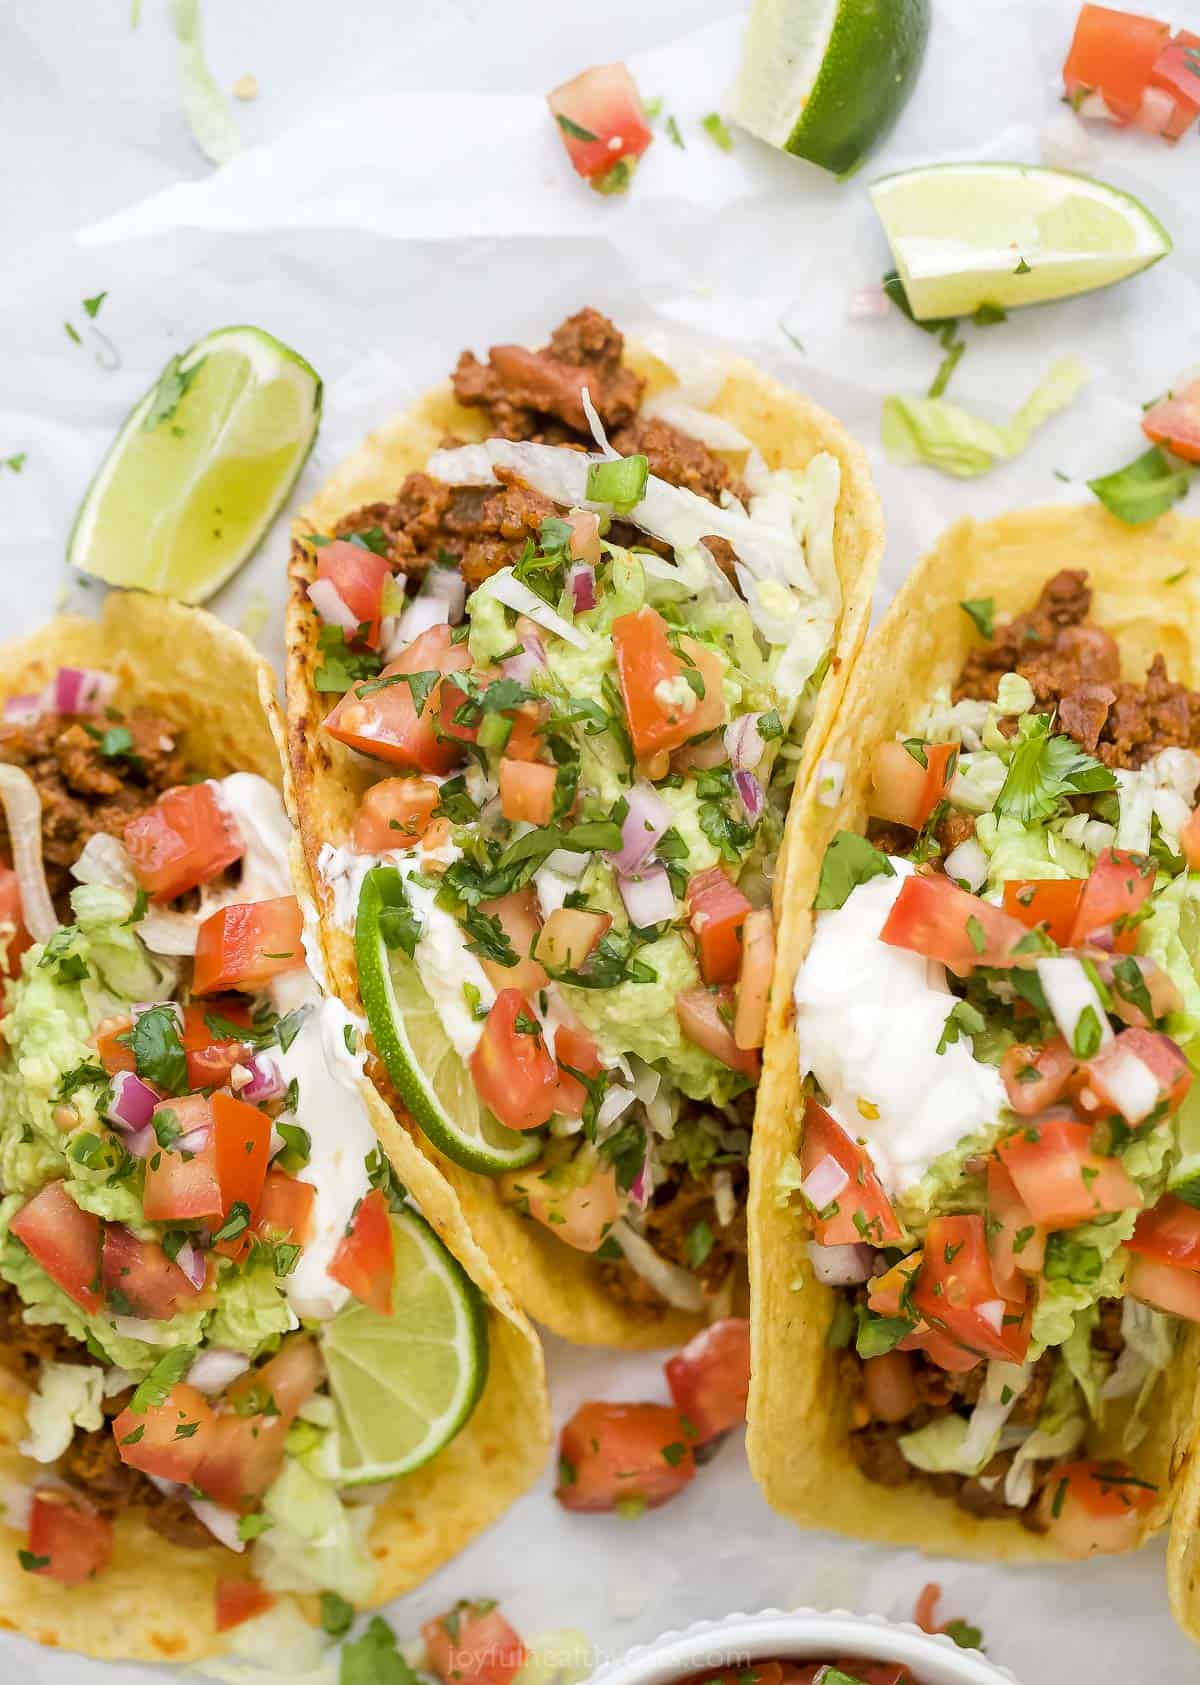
852 1671
997 1021
582 678
1123 68
191 1188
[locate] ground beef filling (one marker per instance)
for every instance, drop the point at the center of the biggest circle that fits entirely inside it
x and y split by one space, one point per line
536 395
1075 667
92 1462
84 791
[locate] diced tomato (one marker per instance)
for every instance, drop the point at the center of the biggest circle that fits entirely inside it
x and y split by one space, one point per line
906 787
568 936
240 1600
527 791
862 1211
285 1208
167 1440
932 916
1093 1508
1170 1231
242 1138
1175 422
472 1644
1120 882
68 1541
1061 1181
941 1349
661 706
382 720
1053 902
710 1378
114 1054
956 1293
705 1017
717 910
1189 841
1177 72
577 1201
358 576
139 1279
611 1454
1138 1071
246 1449
1113 53
64 1240
395 813
185 839
246 945
601 123
14 938
575 1046
1017 1244
179 1185
515 1076
887 1293
525 742
210 1058
521 923
1035 1077
1168 1287
365 1260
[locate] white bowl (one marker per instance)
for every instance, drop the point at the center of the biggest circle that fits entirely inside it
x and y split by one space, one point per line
801 1635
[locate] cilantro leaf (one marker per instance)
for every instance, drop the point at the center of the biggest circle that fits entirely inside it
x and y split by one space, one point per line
172 387
1043 770
849 860
342 666
157 1050
963 1019
982 610
337 1616
374 1659
169 1369
1143 490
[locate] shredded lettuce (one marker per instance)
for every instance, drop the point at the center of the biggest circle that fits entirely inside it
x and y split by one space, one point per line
68 1396
1171 935
314 1542
1084 1362
209 118
947 436
1149 1337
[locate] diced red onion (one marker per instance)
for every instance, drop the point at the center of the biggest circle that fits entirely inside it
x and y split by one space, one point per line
824 1182
1156 111
992 1312
323 595
80 690
750 792
22 710
529 660
647 820
195 1140
192 1262
266 1080
640 1189
649 898
868 304
743 743
568 862
140 1143
840 1266
133 1101
582 580
215 1368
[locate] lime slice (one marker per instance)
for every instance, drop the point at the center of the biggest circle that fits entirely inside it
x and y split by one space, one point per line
403 1385
826 79
964 235
200 468
421 1060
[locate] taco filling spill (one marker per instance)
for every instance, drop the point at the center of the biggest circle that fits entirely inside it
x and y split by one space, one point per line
995 1020
580 657
199 1228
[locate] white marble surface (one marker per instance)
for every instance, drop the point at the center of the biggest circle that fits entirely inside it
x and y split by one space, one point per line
400 196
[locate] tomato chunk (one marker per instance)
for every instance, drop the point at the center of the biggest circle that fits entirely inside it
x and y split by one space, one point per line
956 1293
1138 1071
182 1184
861 1211
663 708
1175 422
358 576
907 784
246 945
246 1449
473 1644
1060 1179
1168 1287
242 1139
932 916
1177 72
705 1017
1113 53
366 1257
717 910
515 1076
521 923
527 791
64 1240
1035 1077
139 1279
1094 1508
167 1440
1053 902
210 1057
240 1600
285 1208
1016 1243
577 1201
395 722
601 123
14 938
185 839
1170 1231
1120 882
395 813
710 1378
68 1541
610 1454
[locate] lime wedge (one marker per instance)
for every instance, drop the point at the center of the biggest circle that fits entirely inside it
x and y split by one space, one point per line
964 235
421 1059
200 468
403 1385
826 79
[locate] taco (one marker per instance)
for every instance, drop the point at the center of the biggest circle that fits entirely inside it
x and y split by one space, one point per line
198 1228
562 638
975 1247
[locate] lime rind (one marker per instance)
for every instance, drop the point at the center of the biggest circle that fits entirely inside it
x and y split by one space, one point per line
405 1385
422 1062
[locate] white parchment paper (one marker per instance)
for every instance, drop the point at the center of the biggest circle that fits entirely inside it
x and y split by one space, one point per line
401 195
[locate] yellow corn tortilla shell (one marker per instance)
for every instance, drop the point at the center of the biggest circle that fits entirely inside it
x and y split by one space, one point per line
558 1286
798 1416
156 1601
